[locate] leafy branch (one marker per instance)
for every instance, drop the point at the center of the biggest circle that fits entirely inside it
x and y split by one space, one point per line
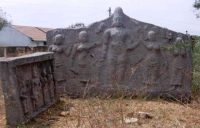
196 5
3 19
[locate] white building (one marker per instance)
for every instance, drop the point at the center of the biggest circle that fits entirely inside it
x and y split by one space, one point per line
15 35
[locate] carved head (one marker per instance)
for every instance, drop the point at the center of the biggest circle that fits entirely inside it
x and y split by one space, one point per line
56 32
34 72
50 71
151 35
83 36
44 73
118 22
179 40
58 39
118 19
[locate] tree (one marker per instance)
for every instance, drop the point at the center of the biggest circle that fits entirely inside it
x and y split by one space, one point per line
3 19
77 25
196 5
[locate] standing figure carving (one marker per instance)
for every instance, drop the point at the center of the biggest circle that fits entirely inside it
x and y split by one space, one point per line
81 55
51 84
178 64
62 52
100 28
115 48
45 86
36 92
153 61
24 99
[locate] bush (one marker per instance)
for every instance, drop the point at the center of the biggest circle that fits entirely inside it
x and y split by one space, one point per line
196 70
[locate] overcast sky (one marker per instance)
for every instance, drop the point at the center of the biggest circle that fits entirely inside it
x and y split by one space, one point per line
176 15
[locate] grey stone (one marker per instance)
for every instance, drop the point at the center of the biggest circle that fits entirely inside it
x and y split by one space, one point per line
122 56
28 86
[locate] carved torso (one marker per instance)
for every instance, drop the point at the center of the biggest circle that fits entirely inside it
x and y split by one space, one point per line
59 53
116 38
82 56
154 54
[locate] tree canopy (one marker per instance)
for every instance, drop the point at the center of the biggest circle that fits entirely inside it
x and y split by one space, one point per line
3 19
77 25
196 5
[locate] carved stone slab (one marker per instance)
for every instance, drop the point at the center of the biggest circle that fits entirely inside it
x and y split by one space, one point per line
120 55
28 86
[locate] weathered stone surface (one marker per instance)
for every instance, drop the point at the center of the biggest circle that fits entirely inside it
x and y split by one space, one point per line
120 55
28 86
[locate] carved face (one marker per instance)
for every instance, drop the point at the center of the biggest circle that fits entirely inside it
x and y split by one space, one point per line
44 72
151 35
58 39
83 36
118 21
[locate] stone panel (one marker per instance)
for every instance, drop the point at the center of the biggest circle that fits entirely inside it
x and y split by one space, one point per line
121 55
28 86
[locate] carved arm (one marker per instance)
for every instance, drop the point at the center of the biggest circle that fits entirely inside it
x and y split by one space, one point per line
106 37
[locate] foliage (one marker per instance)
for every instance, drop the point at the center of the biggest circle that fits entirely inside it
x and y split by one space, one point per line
77 25
3 19
196 5
194 46
175 46
196 71
178 46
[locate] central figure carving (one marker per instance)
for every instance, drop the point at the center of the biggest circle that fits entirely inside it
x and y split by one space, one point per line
115 40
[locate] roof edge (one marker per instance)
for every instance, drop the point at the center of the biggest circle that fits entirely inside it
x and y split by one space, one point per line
20 32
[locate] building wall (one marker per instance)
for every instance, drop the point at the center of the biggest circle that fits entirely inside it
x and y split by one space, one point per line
12 37
20 50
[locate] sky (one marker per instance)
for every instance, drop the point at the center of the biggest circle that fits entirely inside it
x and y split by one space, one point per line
176 15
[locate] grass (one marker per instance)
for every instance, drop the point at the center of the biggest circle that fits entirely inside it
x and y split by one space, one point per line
110 113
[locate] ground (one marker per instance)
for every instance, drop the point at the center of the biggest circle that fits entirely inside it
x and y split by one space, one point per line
111 113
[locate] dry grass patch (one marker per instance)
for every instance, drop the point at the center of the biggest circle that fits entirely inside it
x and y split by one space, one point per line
110 113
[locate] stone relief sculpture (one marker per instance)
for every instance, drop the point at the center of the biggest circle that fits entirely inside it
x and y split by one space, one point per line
45 86
26 86
116 40
100 28
178 63
153 61
37 94
128 54
38 91
61 53
52 87
103 53
81 55
24 99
